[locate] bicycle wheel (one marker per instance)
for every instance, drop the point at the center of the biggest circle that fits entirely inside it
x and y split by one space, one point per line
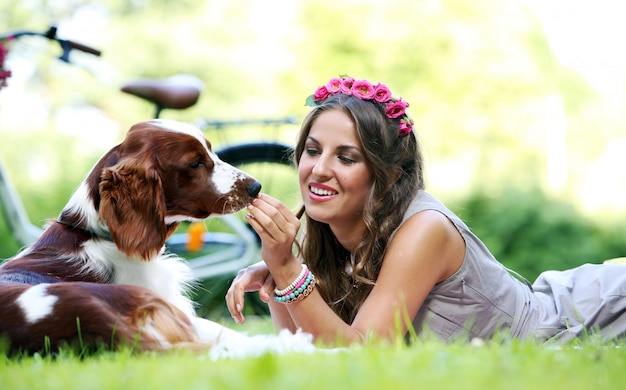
229 243
260 152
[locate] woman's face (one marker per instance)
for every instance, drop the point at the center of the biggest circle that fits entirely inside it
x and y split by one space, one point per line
334 177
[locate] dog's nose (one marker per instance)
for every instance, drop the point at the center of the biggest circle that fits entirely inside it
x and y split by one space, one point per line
254 188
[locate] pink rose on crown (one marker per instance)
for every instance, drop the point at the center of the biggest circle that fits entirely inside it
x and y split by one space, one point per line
346 85
321 93
396 109
406 125
382 94
363 89
334 85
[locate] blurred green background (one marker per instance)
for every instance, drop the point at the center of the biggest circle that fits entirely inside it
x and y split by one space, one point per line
521 146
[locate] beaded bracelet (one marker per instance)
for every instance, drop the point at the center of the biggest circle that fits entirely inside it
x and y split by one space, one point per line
296 290
299 293
294 283
305 293
306 279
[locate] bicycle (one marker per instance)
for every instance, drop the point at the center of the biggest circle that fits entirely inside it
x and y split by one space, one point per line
229 244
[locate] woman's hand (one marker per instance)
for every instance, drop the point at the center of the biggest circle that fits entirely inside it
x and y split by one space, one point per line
277 227
252 278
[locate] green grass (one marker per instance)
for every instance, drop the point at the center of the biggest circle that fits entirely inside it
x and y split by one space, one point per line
424 365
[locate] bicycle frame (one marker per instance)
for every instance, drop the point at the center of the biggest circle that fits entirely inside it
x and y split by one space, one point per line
24 232
242 250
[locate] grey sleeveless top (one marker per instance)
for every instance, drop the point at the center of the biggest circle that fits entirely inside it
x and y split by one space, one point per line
483 297
478 300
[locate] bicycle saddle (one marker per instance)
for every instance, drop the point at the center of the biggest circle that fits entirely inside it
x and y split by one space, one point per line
179 91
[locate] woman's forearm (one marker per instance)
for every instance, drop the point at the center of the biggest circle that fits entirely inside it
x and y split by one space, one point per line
281 317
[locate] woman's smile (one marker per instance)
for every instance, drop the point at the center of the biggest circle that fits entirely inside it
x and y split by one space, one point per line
321 193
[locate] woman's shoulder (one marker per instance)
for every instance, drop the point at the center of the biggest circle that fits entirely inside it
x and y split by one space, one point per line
425 201
432 237
429 215
432 224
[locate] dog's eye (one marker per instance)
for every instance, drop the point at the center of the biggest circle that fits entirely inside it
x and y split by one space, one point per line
195 164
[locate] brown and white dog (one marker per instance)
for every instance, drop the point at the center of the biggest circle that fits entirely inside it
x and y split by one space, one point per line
100 273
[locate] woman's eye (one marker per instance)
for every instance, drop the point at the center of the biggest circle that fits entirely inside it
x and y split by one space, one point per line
311 151
346 160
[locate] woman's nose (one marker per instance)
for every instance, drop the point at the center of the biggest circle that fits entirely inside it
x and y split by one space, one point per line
321 167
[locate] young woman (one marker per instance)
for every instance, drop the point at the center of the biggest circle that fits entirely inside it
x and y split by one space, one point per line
377 255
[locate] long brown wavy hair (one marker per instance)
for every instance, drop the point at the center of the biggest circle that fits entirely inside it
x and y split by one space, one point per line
397 166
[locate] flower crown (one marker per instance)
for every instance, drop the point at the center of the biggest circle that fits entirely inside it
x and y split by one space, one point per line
363 89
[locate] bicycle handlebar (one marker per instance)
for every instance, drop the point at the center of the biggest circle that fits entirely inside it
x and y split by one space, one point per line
66 45
84 48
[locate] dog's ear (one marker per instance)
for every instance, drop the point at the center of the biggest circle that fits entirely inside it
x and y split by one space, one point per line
133 206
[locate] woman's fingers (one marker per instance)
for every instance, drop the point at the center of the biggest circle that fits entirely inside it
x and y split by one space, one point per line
235 298
277 227
270 217
282 210
251 278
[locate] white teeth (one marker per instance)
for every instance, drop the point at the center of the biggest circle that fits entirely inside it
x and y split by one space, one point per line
321 192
